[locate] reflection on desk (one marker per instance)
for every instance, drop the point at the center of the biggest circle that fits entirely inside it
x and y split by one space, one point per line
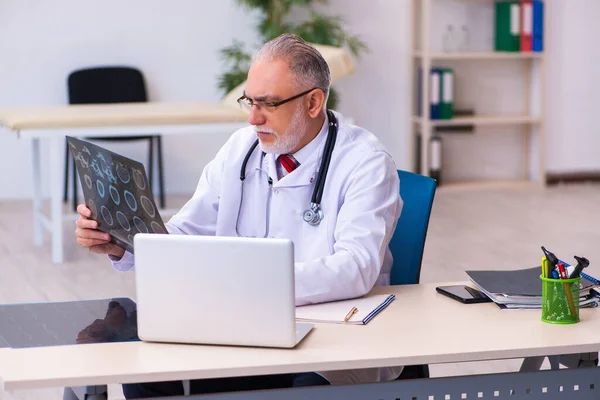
65 323
3 344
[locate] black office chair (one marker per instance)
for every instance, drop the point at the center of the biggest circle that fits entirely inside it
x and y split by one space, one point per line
112 85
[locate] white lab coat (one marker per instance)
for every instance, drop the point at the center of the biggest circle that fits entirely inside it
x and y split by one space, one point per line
345 255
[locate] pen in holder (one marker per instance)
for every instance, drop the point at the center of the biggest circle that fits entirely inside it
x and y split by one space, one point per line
560 300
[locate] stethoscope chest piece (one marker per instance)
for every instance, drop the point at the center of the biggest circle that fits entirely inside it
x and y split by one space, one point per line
314 215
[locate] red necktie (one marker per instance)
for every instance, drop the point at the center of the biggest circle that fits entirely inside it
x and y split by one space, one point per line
288 162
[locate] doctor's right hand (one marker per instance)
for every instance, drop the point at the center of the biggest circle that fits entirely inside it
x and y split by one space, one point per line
91 238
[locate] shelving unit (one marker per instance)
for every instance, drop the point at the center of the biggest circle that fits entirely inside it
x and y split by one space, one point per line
424 57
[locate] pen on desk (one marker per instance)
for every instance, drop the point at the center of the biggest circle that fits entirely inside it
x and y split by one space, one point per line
350 314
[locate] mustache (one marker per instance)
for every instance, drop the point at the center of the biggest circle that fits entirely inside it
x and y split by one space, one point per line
262 129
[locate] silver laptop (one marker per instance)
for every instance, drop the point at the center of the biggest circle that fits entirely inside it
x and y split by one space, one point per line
216 290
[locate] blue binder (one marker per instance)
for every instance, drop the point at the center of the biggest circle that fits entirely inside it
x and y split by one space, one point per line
435 90
419 91
590 278
538 26
435 93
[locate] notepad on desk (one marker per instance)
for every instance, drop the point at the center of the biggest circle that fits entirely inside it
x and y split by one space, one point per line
336 311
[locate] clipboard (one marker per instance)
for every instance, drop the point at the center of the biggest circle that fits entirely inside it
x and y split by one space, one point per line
336 311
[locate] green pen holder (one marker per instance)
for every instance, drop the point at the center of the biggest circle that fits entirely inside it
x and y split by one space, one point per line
560 300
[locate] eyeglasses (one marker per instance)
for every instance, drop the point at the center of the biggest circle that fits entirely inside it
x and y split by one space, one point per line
247 103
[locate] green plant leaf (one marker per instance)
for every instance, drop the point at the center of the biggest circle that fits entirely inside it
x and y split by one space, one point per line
235 54
333 99
326 30
251 4
320 30
237 61
273 21
230 80
270 31
303 3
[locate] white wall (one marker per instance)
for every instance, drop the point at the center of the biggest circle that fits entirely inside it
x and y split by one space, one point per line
573 86
176 44
376 95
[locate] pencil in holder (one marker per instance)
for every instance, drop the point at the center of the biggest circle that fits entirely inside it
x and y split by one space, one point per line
560 300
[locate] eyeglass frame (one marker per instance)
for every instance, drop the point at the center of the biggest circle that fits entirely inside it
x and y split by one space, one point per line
273 104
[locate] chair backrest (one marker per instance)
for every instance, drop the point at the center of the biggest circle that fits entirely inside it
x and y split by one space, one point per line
106 85
408 241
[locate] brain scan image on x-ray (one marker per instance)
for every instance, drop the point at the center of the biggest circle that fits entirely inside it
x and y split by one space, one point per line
117 192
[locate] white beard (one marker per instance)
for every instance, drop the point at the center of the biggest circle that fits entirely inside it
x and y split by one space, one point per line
284 144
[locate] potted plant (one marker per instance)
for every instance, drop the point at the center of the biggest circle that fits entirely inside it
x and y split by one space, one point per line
276 17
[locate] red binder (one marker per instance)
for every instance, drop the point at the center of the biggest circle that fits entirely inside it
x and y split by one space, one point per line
526 25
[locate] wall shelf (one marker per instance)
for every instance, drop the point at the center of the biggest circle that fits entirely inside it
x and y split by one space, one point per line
482 120
479 55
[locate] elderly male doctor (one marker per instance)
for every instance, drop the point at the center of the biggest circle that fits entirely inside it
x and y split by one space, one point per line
341 257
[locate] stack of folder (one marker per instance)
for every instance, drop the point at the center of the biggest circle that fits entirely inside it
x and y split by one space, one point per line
519 26
522 289
441 98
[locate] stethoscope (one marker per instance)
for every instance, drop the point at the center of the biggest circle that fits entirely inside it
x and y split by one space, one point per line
313 215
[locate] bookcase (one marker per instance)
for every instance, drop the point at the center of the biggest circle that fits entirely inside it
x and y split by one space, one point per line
528 123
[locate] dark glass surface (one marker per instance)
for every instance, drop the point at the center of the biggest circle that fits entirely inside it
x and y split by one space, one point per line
65 323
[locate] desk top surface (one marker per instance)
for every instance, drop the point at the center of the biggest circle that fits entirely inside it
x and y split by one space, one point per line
419 327
29 325
119 115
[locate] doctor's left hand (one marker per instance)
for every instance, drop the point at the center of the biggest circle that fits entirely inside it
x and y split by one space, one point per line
91 238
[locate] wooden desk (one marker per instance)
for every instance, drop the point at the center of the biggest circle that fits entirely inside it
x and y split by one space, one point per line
420 326
52 124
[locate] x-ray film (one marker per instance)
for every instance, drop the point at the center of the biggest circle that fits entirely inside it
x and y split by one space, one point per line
117 192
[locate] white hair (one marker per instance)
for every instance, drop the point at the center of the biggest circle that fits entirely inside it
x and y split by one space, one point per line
306 63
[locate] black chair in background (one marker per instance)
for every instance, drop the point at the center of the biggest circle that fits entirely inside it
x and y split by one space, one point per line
112 85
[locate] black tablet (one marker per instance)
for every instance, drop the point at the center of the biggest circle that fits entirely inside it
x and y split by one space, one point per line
464 294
